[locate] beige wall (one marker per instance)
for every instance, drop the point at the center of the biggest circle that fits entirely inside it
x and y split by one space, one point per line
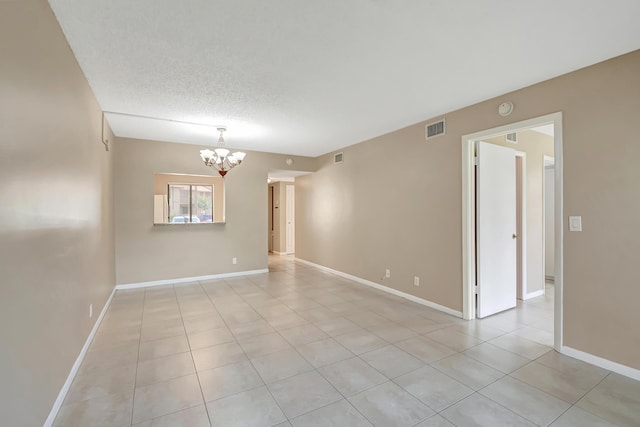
162 180
395 202
145 252
56 212
536 145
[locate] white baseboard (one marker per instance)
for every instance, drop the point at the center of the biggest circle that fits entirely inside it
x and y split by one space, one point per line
74 369
385 289
189 279
602 363
533 294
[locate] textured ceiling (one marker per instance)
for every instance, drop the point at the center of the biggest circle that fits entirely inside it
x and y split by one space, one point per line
309 77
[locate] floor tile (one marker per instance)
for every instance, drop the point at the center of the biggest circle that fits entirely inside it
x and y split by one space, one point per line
163 398
252 329
227 380
102 382
563 385
468 371
352 376
392 332
324 352
193 325
425 349
336 326
303 334
121 355
477 410
569 365
389 405
104 411
433 388
164 368
616 399
209 337
154 330
163 347
576 417
360 341
263 344
159 331
303 393
252 408
497 358
277 366
218 355
340 413
453 339
526 401
391 361
435 421
522 346
478 329
192 417
537 335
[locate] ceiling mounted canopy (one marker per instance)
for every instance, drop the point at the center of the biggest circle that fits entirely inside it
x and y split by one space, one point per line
220 159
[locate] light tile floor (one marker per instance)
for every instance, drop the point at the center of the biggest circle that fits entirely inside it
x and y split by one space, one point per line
301 347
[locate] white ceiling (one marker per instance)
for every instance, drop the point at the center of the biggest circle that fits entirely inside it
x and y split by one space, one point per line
310 77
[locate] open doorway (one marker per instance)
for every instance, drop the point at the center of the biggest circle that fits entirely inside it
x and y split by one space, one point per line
281 209
533 269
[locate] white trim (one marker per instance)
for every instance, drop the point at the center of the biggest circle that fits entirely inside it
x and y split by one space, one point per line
468 226
533 294
607 364
76 366
279 253
523 218
384 288
189 279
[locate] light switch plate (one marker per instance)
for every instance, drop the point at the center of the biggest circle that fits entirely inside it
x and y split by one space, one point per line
575 223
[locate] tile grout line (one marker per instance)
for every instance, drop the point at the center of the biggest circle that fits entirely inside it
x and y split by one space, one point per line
204 402
135 376
264 384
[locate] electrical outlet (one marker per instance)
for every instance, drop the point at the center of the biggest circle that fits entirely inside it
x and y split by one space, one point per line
416 281
387 273
234 260
90 311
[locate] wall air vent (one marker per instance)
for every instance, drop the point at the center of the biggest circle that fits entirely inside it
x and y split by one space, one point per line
337 158
512 137
434 129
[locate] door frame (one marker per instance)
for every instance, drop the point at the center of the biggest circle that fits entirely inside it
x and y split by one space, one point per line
522 241
290 220
546 160
468 215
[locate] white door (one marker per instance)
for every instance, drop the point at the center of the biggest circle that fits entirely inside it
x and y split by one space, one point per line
290 218
496 227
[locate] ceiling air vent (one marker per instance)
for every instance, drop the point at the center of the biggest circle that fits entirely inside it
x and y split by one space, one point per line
434 129
512 137
337 158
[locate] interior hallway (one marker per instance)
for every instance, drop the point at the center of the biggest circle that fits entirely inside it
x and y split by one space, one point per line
302 347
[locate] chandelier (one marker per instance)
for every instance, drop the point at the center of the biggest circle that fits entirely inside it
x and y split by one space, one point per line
220 159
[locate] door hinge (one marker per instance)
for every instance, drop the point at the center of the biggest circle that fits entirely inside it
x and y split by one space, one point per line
475 289
475 161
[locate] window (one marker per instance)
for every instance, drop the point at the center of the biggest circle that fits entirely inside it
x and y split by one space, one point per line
190 203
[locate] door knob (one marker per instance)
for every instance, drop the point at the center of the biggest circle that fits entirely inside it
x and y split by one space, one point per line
514 236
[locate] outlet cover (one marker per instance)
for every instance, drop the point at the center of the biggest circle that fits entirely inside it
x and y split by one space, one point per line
387 273
90 311
234 260
416 281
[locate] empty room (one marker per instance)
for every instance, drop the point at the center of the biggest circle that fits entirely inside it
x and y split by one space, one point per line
366 213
